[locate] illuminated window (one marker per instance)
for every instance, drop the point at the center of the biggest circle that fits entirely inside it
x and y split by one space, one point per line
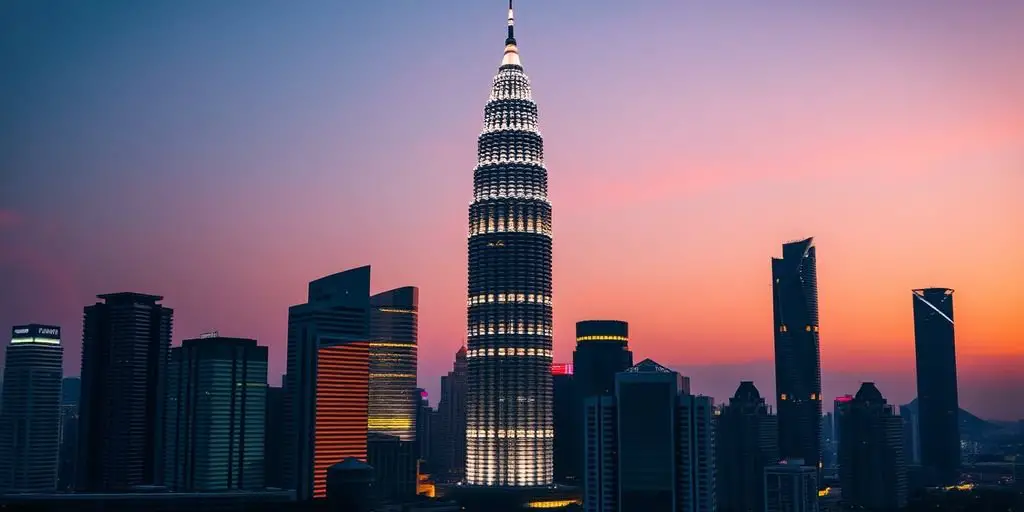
814 396
783 397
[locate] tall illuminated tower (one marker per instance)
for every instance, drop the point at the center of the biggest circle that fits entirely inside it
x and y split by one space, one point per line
797 354
393 397
509 430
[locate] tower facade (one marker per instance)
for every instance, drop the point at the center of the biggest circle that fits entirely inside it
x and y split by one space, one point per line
797 353
938 404
216 414
451 409
393 333
872 473
31 416
126 343
327 383
746 441
509 433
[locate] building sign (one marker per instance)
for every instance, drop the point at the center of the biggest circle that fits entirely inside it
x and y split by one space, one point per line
48 334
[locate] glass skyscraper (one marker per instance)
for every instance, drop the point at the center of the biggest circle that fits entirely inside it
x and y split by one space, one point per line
937 398
30 419
216 410
393 328
797 353
509 431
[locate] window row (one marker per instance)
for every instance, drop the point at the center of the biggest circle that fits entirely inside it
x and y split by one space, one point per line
529 298
508 352
491 328
517 433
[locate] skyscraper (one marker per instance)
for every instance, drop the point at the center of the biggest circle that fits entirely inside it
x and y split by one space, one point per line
327 383
872 473
602 350
125 346
30 419
70 395
651 446
216 410
393 333
797 355
509 425
451 456
274 438
938 402
746 441
566 421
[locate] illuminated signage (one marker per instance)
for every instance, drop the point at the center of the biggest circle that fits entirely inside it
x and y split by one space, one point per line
47 331
21 331
211 334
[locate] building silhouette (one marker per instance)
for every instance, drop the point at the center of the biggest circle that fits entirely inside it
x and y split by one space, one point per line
30 417
427 419
394 464
872 473
327 382
350 486
791 486
509 432
746 441
568 445
274 439
451 435
393 335
797 355
938 401
650 447
216 415
125 347
70 395
602 350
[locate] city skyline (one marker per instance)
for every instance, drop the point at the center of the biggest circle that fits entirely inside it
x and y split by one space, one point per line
690 217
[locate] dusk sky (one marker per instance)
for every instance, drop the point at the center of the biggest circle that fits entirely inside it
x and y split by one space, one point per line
223 154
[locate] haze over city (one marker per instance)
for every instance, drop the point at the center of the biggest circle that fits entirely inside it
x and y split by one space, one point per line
224 160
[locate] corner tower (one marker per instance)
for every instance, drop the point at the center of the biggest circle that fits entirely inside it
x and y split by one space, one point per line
509 431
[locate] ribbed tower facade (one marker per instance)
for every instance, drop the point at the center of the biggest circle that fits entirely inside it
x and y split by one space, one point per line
393 397
509 431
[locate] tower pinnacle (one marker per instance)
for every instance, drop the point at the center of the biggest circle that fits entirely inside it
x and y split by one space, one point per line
511 57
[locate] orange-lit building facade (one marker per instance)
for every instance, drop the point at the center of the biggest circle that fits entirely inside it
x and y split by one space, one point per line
342 399
327 382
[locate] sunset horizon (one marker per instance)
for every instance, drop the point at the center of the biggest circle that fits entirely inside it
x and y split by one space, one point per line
176 150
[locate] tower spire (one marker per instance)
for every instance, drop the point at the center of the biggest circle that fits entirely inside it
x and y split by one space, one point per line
511 57
511 25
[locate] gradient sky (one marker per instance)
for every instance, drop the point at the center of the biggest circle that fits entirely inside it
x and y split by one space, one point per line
223 154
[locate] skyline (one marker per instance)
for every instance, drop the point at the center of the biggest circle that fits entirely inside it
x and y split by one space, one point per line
673 189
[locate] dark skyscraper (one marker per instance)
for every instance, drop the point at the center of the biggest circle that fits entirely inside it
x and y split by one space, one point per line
650 447
509 432
797 355
451 456
393 333
602 350
274 438
327 384
30 419
566 420
937 398
70 395
394 466
872 474
216 410
125 347
746 441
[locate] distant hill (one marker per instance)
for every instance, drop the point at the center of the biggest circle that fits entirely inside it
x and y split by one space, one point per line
971 426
